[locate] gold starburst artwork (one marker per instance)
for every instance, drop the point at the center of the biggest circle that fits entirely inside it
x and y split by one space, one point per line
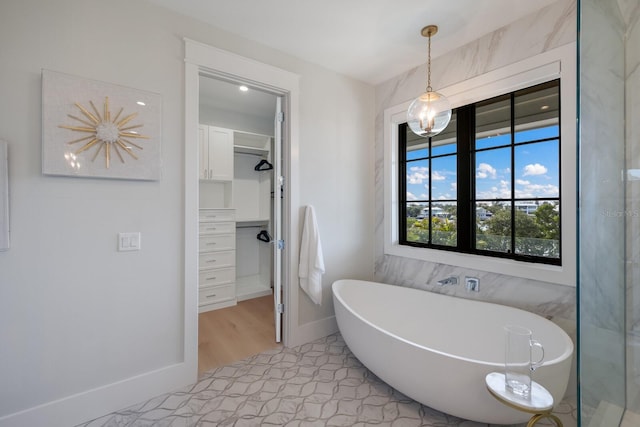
106 133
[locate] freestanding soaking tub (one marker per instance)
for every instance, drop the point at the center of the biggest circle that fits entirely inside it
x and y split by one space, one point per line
437 349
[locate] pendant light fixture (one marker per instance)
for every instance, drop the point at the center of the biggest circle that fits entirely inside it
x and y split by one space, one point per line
430 113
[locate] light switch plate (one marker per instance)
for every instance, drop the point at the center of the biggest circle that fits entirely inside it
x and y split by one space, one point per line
128 241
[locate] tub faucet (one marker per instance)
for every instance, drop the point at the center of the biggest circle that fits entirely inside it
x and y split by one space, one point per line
472 284
453 280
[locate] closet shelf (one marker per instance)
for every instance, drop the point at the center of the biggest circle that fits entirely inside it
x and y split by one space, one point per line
244 149
252 221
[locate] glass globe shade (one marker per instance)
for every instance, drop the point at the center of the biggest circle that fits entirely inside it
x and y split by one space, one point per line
429 114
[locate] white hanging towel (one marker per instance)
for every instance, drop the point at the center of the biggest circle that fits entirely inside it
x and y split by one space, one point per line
311 266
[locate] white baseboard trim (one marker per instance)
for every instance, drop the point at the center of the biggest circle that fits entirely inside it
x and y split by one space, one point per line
83 407
314 330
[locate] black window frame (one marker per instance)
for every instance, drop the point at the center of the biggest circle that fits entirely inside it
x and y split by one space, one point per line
466 191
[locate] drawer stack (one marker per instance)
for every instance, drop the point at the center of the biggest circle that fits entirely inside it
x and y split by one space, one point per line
217 259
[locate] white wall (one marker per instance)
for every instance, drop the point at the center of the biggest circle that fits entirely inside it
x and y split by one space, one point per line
77 315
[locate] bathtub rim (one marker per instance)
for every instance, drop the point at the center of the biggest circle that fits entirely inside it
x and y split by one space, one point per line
567 352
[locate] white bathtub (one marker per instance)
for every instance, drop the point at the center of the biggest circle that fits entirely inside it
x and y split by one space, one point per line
437 349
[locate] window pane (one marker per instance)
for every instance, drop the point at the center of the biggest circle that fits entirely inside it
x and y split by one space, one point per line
418 222
443 224
538 228
444 178
417 180
537 113
493 174
493 123
537 171
446 141
494 231
417 146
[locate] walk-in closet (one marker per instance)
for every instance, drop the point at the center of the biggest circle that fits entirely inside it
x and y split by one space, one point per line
237 155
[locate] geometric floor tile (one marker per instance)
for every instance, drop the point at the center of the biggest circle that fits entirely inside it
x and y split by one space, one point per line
316 384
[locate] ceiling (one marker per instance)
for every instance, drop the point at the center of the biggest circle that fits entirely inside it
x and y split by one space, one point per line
220 95
369 40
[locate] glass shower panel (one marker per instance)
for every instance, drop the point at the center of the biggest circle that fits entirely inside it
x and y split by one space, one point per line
631 12
602 282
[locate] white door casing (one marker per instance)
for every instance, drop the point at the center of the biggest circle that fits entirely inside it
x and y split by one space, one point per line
201 59
278 183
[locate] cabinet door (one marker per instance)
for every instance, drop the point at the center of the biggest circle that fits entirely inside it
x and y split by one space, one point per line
220 154
203 143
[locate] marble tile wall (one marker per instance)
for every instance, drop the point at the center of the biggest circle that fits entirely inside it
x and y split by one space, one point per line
549 28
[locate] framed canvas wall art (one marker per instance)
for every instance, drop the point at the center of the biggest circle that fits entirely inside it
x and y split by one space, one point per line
99 130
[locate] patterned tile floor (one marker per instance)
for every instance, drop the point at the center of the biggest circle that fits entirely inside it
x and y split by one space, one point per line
316 384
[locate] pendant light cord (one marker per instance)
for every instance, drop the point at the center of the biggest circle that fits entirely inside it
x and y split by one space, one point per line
429 89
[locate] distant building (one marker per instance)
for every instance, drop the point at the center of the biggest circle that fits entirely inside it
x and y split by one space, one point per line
482 214
436 212
526 207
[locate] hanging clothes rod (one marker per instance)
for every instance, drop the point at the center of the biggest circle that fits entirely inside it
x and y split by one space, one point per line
252 226
251 154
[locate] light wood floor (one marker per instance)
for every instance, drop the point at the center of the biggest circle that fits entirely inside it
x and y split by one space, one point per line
234 333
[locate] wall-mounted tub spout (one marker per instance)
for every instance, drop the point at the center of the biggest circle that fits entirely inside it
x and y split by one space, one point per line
453 280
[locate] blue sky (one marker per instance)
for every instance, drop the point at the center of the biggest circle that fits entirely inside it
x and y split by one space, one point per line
536 170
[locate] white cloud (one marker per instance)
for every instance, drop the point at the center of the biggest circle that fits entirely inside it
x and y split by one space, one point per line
525 190
485 170
417 175
495 192
437 176
411 196
454 186
536 190
534 169
549 190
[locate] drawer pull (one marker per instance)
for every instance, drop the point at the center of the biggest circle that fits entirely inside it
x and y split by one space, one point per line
211 261
212 228
211 243
211 278
211 295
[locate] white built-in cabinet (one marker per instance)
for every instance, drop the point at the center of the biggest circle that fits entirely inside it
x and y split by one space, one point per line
216 153
233 195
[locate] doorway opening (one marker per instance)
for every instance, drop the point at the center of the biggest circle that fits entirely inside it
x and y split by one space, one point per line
239 220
